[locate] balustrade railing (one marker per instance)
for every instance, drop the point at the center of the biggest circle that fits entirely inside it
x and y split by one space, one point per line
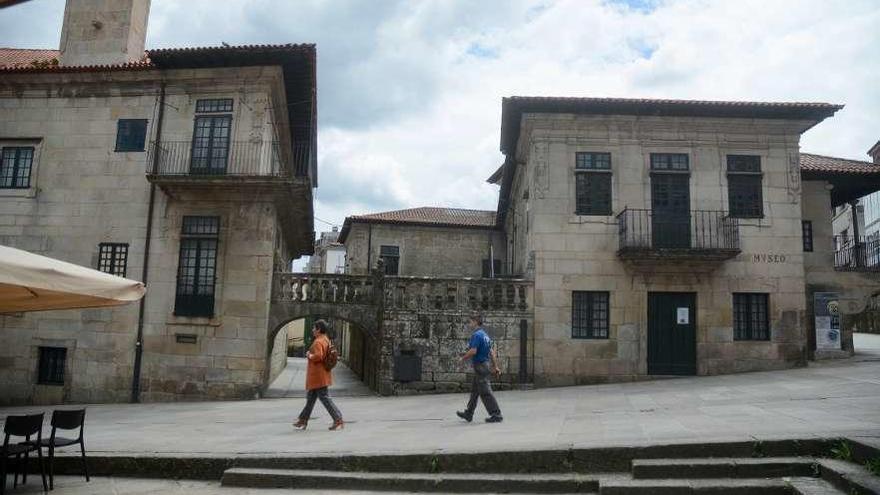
472 294
857 255
699 230
323 288
232 159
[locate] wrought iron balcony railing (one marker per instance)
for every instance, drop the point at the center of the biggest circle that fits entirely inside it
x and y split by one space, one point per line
694 232
227 159
860 255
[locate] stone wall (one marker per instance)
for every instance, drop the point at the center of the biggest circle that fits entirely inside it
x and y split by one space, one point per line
84 193
573 252
424 251
279 355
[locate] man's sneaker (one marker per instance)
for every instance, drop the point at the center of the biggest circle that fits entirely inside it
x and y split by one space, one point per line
465 416
494 419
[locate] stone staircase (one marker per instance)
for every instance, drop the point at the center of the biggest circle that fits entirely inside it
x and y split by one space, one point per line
717 476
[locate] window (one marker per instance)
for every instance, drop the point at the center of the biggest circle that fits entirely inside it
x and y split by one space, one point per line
112 258
589 315
197 267
744 194
670 162
807 232
496 268
131 134
51 371
750 317
391 256
592 183
214 105
15 167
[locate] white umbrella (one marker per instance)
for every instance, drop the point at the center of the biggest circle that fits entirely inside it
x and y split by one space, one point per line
30 282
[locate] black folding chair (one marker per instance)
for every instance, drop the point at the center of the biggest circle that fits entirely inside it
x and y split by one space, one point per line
66 420
22 426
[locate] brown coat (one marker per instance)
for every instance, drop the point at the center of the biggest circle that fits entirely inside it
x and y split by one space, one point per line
316 375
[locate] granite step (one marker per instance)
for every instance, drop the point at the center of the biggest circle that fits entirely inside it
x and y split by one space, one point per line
849 477
720 486
415 482
765 467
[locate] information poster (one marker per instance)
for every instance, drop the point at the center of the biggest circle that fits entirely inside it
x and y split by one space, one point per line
827 315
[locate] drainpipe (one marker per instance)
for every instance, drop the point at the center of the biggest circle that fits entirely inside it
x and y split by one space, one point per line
369 248
857 244
139 344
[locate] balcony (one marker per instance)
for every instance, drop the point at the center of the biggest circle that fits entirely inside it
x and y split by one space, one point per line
653 237
851 255
236 163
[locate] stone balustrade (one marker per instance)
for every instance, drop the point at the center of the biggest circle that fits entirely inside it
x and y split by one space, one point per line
470 294
323 288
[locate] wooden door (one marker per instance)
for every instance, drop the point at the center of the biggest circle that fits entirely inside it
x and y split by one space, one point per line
672 333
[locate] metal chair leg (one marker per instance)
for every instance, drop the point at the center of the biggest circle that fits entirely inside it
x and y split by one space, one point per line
3 474
51 467
24 468
42 468
15 473
82 449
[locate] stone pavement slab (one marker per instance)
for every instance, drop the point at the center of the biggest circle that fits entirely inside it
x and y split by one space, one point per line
292 382
833 398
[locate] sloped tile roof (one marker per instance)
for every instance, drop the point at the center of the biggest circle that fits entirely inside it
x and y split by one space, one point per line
822 164
24 57
425 216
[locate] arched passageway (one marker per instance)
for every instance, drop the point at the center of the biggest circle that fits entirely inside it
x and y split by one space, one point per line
287 370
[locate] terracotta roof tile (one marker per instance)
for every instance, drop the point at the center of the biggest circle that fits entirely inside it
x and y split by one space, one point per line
23 57
832 165
425 216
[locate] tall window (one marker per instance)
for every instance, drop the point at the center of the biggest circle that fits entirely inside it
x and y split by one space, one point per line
210 145
592 183
196 269
496 268
751 320
131 134
113 258
745 199
807 232
51 366
589 315
391 256
15 167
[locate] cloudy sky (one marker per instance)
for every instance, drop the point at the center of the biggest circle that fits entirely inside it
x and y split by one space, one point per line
410 92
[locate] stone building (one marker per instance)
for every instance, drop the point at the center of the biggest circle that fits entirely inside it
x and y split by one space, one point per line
329 256
190 169
857 222
659 237
424 241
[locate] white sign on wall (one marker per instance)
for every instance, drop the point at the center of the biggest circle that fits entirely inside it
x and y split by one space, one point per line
682 316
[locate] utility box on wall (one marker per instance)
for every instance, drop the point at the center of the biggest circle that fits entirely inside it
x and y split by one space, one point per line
407 367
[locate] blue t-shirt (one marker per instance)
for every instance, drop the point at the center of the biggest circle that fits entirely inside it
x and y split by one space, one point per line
482 343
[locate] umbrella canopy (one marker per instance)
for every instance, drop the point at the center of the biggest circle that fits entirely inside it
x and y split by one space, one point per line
30 282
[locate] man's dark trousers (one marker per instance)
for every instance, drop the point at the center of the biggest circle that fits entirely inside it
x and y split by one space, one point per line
481 387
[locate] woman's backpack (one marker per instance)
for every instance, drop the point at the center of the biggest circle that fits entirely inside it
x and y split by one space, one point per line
331 357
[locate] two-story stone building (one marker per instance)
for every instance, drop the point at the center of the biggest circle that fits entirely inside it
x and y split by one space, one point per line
664 237
190 169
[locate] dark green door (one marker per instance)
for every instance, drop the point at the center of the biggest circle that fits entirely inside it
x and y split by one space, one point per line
670 206
672 333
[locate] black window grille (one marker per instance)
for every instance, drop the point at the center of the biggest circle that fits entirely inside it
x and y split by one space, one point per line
113 258
197 266
214 105
745 197
592 183
589 315
496 265
131 134
675 162
751 319
807 230
51 365
391 256
15 167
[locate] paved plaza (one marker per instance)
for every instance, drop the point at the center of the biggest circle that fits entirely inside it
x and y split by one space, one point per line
825 399
292 382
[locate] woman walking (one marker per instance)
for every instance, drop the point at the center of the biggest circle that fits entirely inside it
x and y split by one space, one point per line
318 378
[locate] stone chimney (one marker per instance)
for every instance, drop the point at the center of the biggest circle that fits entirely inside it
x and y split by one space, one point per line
103 32
874 152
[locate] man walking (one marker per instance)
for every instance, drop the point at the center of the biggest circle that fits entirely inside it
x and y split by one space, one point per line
480 352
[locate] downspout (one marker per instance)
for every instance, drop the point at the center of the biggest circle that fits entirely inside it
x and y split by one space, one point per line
369 248
139 344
